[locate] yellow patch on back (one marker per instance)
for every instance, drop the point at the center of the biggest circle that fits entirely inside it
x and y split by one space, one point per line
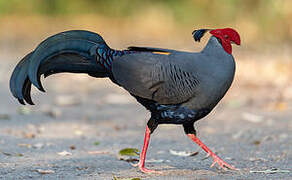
162 53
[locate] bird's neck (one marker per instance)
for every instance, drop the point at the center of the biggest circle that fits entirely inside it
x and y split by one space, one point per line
214 47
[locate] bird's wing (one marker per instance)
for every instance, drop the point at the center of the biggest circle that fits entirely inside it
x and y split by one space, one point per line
158 77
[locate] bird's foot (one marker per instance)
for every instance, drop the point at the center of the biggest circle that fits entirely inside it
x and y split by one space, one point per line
221 162
145 170
149 171
216 159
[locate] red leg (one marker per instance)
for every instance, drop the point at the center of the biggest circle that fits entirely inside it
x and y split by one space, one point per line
141 163
216 159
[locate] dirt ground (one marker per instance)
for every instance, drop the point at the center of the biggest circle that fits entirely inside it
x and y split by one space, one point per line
77 128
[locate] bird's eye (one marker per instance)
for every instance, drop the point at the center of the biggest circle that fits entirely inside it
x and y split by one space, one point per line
226 36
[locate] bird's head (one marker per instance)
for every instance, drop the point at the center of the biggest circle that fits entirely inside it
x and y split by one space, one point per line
225 36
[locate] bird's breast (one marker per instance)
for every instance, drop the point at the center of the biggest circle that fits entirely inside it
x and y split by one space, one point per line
215 78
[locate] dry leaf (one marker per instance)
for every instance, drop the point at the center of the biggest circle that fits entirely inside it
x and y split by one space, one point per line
252 118
271 171
156 160
64 153
207 156
12 154
281 106
256 142
28 135
43 171
182 153
78 132
98 152
38 145
257 159
81 168
116 178
25 145
238 134
6 154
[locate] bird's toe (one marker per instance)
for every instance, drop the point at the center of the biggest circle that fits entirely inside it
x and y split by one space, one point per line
222 164
149 171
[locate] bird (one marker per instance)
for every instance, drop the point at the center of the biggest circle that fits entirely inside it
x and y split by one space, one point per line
177 87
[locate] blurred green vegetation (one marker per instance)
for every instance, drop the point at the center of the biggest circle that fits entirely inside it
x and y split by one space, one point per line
186 11
269 17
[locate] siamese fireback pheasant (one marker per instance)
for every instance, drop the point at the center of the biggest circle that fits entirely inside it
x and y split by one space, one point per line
176 87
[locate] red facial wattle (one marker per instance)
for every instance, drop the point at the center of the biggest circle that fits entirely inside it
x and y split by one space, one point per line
226 36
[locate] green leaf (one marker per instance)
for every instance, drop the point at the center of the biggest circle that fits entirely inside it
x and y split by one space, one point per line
96 143
129 152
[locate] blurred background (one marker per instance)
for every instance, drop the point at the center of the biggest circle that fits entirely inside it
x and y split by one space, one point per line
254 117
263 60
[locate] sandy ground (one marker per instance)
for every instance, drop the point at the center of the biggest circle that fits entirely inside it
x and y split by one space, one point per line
90 120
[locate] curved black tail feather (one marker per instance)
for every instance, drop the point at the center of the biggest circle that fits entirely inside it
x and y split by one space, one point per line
69 51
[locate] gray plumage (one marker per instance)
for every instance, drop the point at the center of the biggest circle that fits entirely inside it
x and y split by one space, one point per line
197 80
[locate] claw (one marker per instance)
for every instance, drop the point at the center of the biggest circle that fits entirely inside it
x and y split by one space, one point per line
145 170
216 159
149 171
221 162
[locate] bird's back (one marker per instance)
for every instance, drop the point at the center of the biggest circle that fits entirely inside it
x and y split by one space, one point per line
196 80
